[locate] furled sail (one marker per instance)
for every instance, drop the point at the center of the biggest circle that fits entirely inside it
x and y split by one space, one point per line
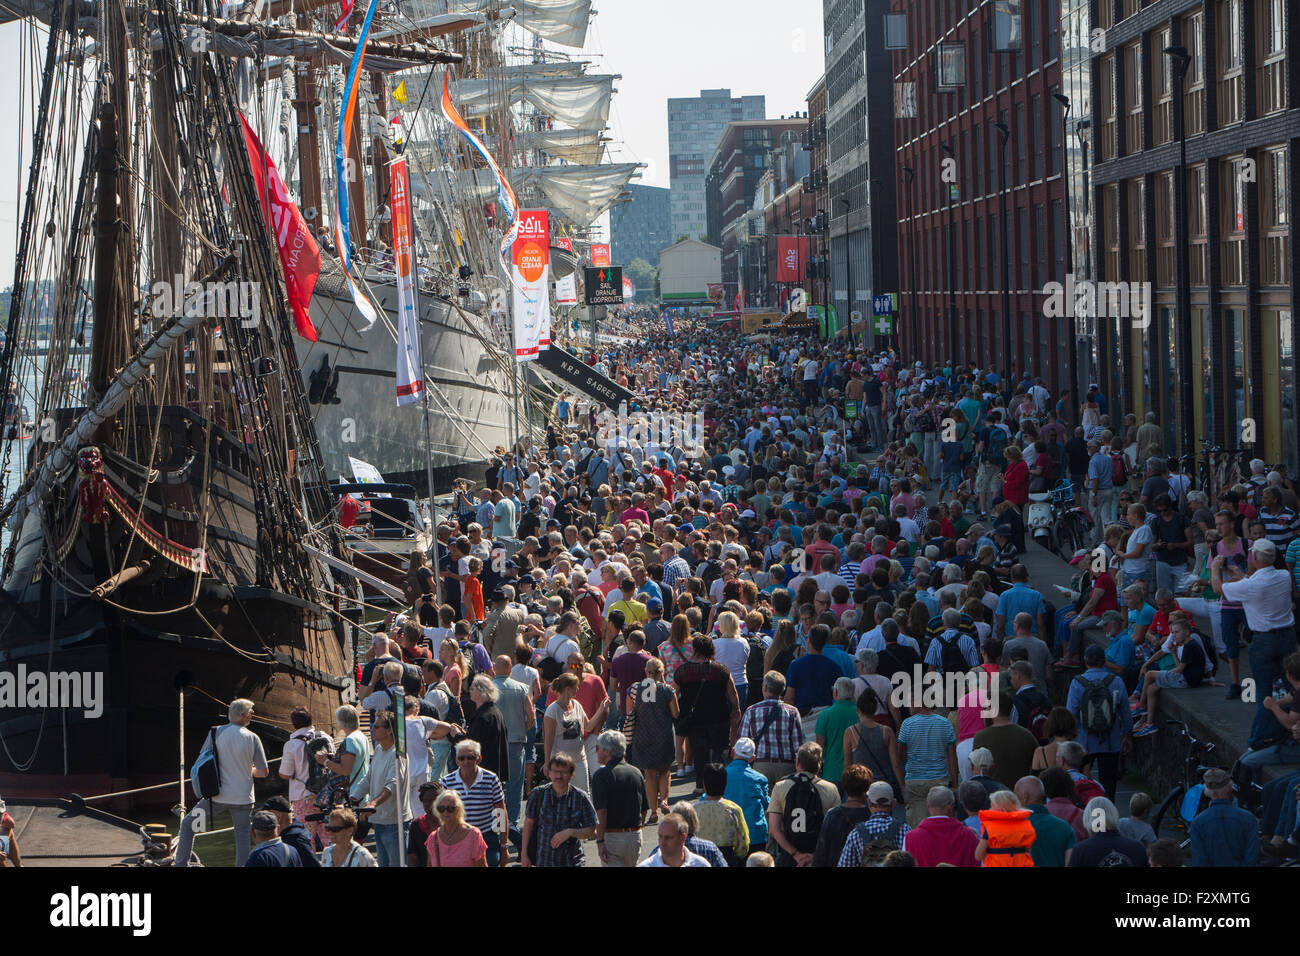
579 192
580 102
560 21
582 146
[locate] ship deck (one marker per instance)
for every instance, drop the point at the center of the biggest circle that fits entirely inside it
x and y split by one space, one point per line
51 833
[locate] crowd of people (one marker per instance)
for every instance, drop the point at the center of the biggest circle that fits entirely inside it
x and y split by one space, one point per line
739 582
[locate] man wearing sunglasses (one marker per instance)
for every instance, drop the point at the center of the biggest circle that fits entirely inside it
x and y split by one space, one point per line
484 798
392 810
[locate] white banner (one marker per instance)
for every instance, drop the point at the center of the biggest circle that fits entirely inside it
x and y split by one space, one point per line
530 276
364 473
410 368
566 290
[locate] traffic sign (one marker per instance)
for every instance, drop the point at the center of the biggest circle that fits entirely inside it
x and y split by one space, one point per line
604 285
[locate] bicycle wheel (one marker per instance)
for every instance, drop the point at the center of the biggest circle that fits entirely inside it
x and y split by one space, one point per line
1170 812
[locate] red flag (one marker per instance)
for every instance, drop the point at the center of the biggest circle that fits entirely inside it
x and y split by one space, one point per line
345 11
299 253
791 252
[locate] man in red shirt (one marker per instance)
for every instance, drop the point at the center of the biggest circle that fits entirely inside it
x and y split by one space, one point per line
940 837
665 475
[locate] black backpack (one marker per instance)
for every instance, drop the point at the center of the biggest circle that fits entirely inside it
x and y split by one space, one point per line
1097 706
951 659
801 821
312 744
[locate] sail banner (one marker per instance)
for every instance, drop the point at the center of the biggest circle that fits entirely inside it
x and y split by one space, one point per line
342 168
566 290
530 276
791 254
505 195
299 254
410 367
600 254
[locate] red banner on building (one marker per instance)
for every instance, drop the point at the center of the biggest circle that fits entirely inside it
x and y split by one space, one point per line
600 254
299 253
791 257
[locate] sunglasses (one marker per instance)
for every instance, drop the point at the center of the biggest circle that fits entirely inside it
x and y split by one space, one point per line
467 758
449 808
338 829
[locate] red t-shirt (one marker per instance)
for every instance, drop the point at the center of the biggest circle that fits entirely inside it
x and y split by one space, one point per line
1109 600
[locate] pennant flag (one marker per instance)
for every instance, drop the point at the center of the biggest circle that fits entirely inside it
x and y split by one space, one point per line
399 92
299 254
505 195
410 367
345 13
342 235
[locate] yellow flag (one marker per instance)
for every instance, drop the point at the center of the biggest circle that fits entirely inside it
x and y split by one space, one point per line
399 93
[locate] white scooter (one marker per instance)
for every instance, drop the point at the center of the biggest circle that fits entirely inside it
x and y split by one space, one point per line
1053 521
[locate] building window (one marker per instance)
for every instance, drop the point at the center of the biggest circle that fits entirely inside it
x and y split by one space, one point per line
1194 84
1031 29
1137 233
1035 134
1110 230
1232 222
1026 262
1040 246
1022 145
1108 109
1270 16
1197 226
1164 203
1275 246
1133 97
1105 15
1230 62
1162 88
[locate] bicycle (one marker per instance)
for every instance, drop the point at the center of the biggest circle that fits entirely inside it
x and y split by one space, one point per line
1182 804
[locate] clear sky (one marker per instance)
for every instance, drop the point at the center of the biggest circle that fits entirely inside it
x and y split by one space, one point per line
662 49
672 48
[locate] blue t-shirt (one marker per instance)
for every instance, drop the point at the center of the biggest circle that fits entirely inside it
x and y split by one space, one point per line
845 662
1143 615
1121 651
812 676
1020 598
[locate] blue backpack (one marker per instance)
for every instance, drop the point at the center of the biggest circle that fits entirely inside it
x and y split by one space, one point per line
205 778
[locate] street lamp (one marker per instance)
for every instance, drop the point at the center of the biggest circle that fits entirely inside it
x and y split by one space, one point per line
1183 337
848 266
910 173
1069 242
952 275
1004 135
823 222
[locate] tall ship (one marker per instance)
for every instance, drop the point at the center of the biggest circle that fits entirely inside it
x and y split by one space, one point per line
170 529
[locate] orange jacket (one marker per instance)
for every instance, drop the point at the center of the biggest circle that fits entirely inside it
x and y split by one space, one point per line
1010 835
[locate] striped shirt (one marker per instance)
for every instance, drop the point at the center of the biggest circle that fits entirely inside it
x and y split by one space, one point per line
849 572
1281 527
480 800
927 738
783 737
877 823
